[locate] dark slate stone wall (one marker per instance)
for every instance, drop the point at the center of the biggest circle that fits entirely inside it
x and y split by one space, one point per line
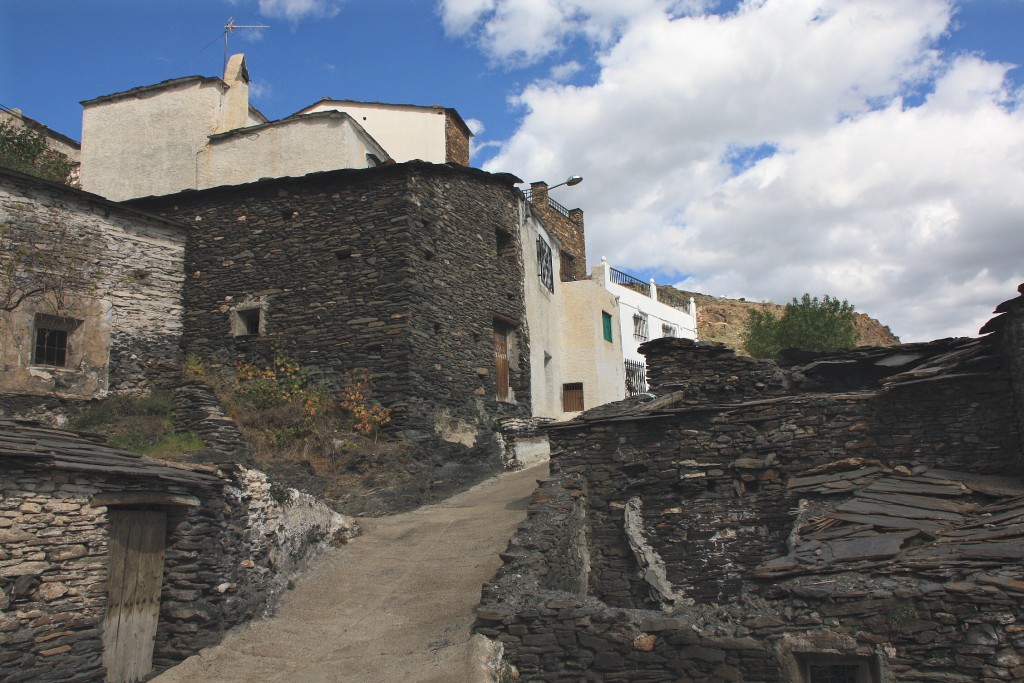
956 625
392 270
709 371
711 478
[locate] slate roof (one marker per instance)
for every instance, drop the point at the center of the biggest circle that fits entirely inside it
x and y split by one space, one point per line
858 514
28 444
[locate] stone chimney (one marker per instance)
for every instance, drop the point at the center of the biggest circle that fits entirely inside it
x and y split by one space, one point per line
234 111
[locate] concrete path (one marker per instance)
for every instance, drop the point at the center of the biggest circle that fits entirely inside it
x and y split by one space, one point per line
395 604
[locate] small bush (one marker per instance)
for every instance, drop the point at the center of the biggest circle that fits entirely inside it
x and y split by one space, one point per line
368 418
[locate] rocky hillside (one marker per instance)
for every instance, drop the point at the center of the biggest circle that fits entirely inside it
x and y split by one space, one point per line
724 320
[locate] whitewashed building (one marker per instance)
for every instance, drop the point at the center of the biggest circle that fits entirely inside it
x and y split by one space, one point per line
641 318
575 353
199 132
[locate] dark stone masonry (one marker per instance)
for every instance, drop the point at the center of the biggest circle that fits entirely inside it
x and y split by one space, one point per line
855 516
406 271
231 544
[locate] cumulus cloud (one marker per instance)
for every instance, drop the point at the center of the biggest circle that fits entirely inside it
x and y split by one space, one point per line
523 31
781 148
296 10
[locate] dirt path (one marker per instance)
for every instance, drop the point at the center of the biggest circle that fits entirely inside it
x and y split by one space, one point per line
396 604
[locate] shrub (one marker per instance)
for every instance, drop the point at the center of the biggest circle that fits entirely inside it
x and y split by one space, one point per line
368 418
825 325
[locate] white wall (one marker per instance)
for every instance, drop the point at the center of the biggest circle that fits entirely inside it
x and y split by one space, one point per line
587 356
291 147
135 146
632 302
407 132
542 320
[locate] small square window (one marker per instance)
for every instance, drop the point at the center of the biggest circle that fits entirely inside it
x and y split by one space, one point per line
51 339
668 330
247 322
572 397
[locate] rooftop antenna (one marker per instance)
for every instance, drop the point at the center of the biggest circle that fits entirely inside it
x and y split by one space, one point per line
229 28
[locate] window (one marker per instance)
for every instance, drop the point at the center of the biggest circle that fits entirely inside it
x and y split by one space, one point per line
668 330
606 324
572 397
51 339
833 673
837 669
640 327
545 268
567 265
247 322
503 242
636 378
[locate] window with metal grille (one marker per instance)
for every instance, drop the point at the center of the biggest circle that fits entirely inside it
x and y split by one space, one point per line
668 330
636 378
572 397
545 267
606 324
640 327
566 266
51 339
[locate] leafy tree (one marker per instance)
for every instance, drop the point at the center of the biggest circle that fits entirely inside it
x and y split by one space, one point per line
25 150
825 325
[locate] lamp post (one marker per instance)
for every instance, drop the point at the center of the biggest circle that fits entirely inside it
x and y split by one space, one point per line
570 181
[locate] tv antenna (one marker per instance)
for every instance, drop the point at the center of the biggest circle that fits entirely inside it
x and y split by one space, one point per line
230 28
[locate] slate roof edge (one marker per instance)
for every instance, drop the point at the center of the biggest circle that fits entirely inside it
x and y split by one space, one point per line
85 196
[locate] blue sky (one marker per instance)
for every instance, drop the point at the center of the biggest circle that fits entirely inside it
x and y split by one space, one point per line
864 148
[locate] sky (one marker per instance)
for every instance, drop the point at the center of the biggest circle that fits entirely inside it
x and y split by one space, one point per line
867 149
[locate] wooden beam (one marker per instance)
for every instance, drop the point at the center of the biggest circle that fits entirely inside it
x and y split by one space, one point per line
115 498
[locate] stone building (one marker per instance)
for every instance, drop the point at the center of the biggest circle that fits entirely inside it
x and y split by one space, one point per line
853 516
113 565
412 272
103 284
201 132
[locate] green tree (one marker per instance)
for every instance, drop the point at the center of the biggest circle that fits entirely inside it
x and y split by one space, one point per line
25 150
822 325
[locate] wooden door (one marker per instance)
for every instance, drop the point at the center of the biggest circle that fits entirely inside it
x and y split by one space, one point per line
501 363
136 573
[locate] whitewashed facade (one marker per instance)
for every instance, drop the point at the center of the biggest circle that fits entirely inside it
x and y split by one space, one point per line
642 318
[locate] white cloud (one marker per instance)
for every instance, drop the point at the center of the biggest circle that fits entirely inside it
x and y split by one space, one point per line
565 71
296 10
476 126
770 151
260 90
523 31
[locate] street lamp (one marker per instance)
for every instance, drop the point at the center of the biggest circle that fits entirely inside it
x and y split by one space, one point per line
570 181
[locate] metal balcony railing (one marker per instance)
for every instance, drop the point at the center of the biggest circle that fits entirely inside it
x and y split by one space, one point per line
551 202
630 282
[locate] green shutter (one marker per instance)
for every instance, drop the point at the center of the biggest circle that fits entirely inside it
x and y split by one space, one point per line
606 319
